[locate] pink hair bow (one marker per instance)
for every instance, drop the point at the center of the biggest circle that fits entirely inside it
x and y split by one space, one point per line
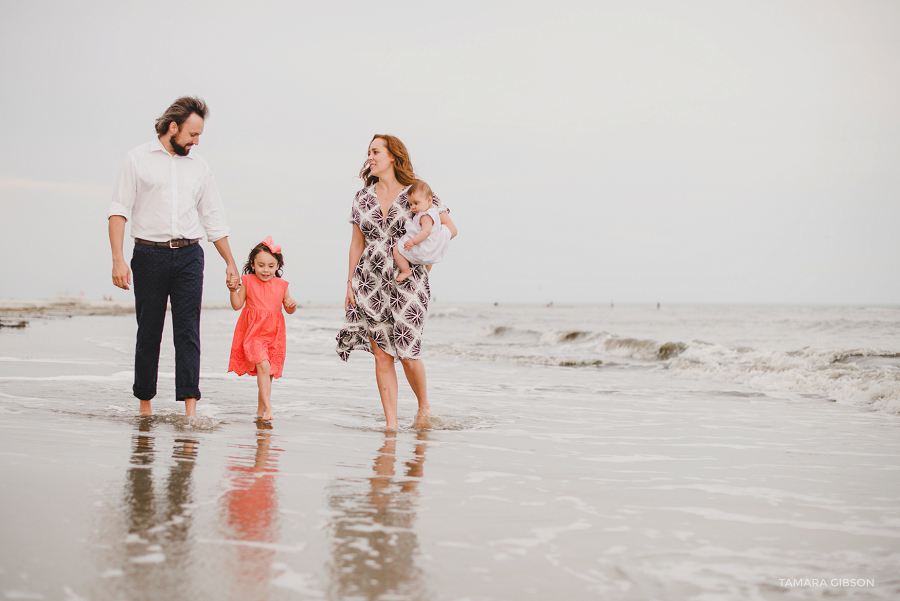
272 246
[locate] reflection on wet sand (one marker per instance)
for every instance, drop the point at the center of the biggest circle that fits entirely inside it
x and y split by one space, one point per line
251 508
158 544
374 543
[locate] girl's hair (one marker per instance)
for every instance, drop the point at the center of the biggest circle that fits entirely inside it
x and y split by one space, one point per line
420 187
403 169
248 266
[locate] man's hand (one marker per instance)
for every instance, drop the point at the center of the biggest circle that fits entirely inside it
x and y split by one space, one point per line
232 279
121 275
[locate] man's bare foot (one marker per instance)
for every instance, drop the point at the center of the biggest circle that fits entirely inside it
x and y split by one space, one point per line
145 408
190 407
403 275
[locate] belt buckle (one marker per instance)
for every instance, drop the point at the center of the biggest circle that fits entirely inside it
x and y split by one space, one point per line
172 243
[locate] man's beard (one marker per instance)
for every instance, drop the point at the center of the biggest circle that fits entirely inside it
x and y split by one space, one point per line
180 150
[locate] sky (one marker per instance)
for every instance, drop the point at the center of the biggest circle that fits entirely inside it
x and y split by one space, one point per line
639 152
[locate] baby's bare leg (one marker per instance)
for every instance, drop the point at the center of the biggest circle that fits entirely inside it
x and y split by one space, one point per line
402 263
264 380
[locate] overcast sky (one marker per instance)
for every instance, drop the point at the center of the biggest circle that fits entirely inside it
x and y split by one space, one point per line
681 152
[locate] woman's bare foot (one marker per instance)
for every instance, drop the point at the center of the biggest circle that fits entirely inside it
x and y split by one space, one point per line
268 415
422 421
145 408
403 275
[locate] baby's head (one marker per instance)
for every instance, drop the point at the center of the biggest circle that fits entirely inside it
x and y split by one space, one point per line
265 260
419 197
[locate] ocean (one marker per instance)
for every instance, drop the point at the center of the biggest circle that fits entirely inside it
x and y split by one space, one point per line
576 452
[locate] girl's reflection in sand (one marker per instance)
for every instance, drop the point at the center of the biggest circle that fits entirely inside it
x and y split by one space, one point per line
251 506
375 544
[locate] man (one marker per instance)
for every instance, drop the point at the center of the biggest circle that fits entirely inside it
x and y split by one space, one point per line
170 196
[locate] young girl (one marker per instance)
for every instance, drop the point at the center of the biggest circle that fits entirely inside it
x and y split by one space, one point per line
425 240
259 340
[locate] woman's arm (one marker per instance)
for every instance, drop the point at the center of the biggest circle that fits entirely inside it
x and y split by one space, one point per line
238 297
448 223
357 246
290 305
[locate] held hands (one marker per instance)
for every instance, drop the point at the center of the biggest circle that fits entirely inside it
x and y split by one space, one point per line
232 279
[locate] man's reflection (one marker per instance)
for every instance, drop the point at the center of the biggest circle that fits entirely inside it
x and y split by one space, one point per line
374 540
158 523
252 510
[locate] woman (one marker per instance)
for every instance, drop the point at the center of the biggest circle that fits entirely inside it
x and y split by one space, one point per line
386 317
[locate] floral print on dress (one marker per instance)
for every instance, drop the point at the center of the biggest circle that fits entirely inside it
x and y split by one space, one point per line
390 313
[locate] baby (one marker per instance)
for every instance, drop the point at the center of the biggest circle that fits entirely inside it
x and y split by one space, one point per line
425 240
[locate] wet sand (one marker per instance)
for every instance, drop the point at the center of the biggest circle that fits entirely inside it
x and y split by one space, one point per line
535 482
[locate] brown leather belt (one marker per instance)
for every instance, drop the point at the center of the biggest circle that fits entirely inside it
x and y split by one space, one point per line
174 243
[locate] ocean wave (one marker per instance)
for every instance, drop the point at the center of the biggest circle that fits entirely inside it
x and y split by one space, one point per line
864 377
647 350
859 376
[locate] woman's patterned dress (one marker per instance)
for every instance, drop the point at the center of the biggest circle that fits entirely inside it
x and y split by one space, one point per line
389 312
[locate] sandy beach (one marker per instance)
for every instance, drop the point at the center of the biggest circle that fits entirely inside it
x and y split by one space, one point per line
622 480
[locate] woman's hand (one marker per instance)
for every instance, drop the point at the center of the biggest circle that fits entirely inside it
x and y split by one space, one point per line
357 245
350 299
448 223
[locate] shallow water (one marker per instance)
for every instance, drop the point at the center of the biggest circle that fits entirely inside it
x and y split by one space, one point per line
636 480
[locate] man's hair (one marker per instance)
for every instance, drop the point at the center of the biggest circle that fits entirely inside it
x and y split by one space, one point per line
180 110
418 187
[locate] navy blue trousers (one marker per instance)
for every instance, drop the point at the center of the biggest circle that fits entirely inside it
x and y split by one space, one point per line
164 275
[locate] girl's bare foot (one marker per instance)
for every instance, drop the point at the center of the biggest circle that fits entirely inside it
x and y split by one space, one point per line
145 408
403 275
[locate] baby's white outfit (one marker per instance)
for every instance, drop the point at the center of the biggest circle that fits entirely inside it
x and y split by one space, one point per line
431 249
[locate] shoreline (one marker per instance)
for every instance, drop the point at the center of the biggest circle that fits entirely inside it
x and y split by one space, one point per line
14 312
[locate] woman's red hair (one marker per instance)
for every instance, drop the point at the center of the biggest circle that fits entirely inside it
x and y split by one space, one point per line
403 169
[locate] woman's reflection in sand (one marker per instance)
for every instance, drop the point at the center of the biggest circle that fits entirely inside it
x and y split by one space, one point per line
158 542
251 507
375 544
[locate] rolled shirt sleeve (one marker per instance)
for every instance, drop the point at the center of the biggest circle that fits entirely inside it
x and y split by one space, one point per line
125 190
210 209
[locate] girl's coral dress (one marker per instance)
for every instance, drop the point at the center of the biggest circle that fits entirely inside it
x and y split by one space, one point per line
259 333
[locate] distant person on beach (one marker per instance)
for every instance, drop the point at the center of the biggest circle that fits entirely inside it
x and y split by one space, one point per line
170 197
259 342
385 317
426 240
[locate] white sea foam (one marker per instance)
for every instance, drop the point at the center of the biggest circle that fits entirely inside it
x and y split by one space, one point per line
845 354
841 376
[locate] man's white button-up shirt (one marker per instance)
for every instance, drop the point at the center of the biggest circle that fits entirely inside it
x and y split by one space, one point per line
166 197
